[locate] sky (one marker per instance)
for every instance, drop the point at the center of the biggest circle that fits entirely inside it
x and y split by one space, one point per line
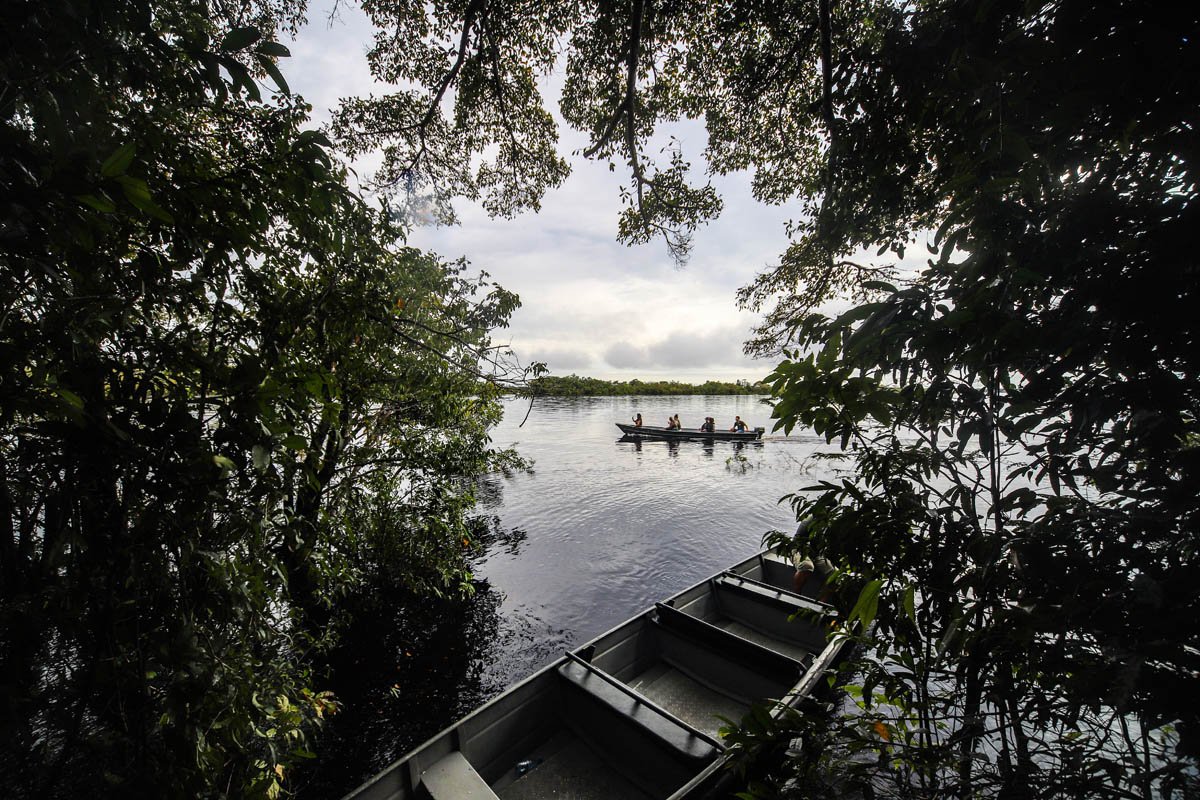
590 305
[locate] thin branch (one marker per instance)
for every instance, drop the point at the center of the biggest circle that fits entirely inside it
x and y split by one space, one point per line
605 137
631 66
468 22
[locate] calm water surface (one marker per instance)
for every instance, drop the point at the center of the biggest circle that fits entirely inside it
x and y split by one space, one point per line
596 532
614 526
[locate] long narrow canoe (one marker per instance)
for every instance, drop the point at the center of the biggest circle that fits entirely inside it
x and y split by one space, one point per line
653 432
635 713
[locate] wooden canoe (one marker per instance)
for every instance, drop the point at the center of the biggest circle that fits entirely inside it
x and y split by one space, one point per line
680 434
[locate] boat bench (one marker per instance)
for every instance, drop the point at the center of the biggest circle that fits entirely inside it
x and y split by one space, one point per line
757 672
785 598
743 600
453 778
640 739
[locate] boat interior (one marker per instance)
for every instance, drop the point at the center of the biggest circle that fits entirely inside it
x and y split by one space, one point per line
637 712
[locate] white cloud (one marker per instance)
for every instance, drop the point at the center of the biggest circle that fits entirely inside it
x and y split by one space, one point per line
560 361
682 350
624 355
679 349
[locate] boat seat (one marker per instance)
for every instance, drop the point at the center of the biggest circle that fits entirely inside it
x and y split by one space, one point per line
781 597
773 665
453 778
640 720
790 618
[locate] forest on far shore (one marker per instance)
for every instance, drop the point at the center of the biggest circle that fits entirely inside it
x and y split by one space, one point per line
578 386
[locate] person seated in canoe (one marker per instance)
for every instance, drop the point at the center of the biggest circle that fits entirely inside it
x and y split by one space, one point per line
676 423
673 423
637 421
709 425
739 426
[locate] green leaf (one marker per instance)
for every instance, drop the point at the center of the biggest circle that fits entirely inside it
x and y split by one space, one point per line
273 49
313 137
138 193
276 75
240 38
117 163
243 78
98 202
868 603
261 457
910 607
295 442
72 399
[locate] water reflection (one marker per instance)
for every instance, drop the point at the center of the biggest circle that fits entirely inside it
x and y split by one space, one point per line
490 538
489 491
404 668
708 447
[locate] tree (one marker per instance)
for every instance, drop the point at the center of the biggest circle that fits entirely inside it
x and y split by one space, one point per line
220 368
1023 429
1021 532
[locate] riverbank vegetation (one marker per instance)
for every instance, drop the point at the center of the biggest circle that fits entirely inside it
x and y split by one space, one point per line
576 386
231 400
1020 544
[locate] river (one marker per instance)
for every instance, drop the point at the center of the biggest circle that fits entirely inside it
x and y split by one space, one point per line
595 532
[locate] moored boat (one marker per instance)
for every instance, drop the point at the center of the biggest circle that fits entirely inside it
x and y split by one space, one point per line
636 712
654 432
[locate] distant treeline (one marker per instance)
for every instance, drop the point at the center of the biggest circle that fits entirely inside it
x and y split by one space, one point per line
577 386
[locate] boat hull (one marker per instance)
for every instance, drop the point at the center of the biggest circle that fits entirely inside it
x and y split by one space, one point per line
684 434
635 710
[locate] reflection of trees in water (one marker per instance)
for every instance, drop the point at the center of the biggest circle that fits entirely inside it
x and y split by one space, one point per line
489 487
491 537
489 490
525 644
404 668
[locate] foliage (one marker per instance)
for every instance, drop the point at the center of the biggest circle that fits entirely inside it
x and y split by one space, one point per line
1021 425
1023 407
576 386
499 142
229 395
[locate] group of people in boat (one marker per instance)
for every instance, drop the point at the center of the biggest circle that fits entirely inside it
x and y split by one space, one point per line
709 426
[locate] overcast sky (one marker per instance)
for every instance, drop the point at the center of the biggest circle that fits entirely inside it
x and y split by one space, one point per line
590 305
